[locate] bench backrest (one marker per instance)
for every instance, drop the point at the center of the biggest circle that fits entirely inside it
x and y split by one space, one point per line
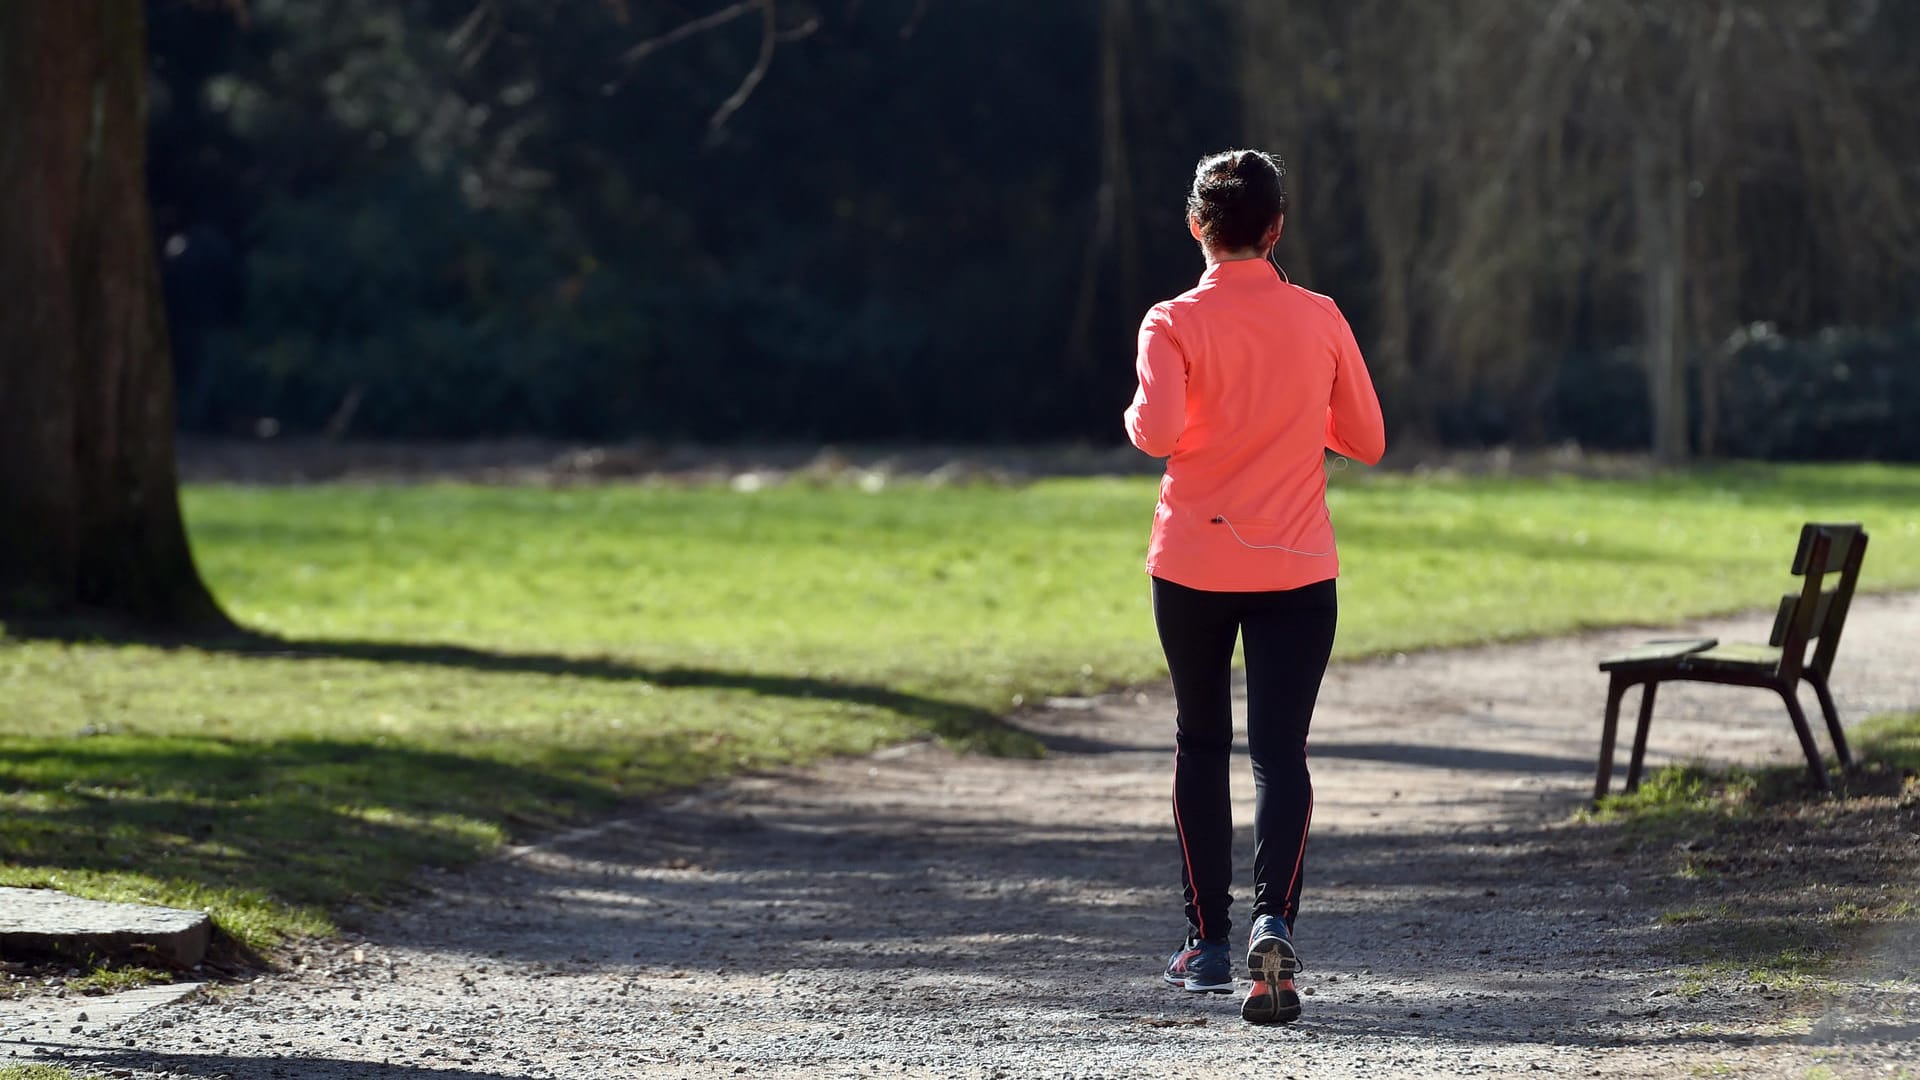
1817 613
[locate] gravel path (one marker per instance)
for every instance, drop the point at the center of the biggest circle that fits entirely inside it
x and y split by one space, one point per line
921 914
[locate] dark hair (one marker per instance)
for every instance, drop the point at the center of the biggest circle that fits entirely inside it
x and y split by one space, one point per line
1236 196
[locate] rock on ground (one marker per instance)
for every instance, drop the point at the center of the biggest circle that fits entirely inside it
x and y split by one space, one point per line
35 922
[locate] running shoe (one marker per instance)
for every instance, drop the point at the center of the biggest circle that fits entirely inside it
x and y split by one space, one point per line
1273 1002
1203 967
1272 962
1270 954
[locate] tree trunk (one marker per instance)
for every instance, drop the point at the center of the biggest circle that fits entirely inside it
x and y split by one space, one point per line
1114 217
89 503
1659 197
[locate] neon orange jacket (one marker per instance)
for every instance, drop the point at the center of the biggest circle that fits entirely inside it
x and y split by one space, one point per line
1245 380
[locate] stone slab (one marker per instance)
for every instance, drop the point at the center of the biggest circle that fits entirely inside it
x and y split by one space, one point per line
40 1027
47 922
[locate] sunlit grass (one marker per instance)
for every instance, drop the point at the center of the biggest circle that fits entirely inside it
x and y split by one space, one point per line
115 980
455 664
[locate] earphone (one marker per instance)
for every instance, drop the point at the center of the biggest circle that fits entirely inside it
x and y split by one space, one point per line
1221 519
1339 464
1276 264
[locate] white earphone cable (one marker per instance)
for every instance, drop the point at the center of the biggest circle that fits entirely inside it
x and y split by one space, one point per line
1221 519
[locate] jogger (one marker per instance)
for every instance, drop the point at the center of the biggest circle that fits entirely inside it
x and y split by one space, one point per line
1246 381
1288 636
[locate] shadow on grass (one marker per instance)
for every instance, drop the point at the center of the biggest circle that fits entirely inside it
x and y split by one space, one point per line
283 835
965 725
273 836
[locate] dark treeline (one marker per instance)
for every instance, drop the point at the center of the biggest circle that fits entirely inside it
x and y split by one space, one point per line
1687 224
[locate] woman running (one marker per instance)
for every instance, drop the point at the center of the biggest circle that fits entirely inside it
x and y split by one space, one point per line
1245 382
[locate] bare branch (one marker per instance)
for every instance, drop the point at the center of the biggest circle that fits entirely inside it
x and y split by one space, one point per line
769 38
469 26
689 28
804 30
484 22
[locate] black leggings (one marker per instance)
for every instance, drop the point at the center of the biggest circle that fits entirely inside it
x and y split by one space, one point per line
1288 636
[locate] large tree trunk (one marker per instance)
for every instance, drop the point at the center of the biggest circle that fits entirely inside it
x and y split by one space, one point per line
89 505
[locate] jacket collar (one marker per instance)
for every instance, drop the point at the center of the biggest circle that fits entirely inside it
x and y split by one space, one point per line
1239 270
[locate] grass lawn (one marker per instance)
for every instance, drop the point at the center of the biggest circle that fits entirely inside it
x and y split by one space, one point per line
450 665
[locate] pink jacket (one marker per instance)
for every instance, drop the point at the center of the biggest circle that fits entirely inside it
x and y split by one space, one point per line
1245 380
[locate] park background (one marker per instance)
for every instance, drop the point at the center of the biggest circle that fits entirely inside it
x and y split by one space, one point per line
1683 226
1658 231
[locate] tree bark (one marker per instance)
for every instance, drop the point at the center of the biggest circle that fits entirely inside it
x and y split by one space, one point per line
89 502
1659 197
1113 221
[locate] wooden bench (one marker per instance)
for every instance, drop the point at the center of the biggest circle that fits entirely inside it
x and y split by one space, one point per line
1814 614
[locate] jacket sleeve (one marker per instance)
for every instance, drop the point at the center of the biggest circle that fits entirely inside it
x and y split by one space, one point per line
1354 424
1159 411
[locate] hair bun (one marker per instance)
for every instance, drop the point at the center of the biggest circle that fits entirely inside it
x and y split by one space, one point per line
1236 196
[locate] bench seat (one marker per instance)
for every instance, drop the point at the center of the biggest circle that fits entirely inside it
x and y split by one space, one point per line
1812 616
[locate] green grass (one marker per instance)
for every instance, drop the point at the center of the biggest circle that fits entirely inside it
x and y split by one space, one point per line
43 1072
1893 740
1690 799
115 980
1797 879
451 665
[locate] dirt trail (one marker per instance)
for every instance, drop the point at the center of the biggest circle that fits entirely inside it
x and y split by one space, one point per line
922 914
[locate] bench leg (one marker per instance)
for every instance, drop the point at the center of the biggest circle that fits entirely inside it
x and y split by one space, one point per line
1615 688
1640 733
1815 766
1832 714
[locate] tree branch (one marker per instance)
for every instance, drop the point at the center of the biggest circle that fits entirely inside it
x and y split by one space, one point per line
689 28
804 30
769 38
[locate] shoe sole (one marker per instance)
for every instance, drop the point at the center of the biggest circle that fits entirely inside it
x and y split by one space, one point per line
1272 960
1274 1007
1192 987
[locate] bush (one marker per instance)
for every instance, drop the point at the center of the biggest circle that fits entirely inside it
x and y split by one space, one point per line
1846 394
393 309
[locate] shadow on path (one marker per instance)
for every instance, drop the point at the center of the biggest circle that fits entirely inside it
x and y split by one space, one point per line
264 1066
1452 757
945 899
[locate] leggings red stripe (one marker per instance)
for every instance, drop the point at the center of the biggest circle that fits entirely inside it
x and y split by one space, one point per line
1186 856
1293 882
